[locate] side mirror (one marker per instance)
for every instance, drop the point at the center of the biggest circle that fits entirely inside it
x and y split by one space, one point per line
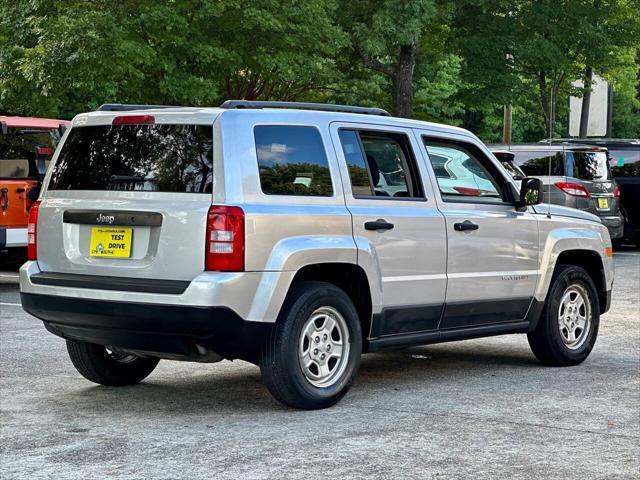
530 192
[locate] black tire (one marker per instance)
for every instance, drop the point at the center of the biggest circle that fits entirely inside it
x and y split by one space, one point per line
546 341
280 365
96 364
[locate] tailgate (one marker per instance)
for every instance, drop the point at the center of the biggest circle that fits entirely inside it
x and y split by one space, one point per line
128 200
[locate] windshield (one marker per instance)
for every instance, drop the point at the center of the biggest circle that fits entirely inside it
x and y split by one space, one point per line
19 152
587 165
156 158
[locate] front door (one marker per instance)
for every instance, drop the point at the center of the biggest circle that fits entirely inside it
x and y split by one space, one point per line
492 255
396 220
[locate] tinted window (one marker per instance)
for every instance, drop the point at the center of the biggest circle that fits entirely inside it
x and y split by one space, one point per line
536 163
360 181
467 177
625 162
164 158
587 165
18 152
439 164
292 161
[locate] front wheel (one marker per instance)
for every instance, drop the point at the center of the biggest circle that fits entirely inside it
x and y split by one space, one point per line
313 354
106 367
568 327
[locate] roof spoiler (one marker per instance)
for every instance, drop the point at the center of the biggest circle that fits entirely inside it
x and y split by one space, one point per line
123 107
324 107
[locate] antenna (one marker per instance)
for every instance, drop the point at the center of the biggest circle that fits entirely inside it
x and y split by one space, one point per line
550 138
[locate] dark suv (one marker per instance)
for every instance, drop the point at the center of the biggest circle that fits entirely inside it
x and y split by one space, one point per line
625 168
577 176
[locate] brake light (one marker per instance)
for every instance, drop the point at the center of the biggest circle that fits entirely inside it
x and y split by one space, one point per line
225 239
572 189
133 119
616 192
32 232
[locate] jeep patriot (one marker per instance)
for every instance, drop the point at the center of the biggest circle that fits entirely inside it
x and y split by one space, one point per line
297 237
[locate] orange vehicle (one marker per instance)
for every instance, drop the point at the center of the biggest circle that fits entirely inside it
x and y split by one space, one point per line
26 147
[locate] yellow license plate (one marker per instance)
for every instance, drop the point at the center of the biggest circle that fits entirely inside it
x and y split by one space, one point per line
603 203
110 242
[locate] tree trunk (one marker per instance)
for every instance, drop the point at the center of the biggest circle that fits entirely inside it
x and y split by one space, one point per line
402 81
586 103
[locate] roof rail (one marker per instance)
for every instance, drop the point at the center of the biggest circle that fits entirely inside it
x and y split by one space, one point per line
123 107
325 107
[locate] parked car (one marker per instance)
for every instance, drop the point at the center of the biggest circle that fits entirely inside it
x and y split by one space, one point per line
625 168
507 159
264 231
576 176
26 146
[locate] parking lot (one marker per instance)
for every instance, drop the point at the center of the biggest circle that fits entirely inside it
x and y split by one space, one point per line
469 409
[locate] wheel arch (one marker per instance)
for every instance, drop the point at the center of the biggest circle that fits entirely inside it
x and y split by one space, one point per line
592 263
349 277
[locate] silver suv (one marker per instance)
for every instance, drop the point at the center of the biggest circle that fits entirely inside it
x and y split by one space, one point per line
297 237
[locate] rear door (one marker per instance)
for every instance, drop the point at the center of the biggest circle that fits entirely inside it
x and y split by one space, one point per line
128 196
395 218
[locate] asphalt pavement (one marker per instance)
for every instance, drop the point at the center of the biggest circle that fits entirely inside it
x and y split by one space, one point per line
475 409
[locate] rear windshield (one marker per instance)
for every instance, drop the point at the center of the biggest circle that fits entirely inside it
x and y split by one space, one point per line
587 165
18 152
149 158
539 163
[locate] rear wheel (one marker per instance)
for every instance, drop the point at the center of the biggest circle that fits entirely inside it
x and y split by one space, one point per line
101 365
313 354
568 328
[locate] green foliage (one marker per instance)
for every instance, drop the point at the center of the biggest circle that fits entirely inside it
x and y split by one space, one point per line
456 62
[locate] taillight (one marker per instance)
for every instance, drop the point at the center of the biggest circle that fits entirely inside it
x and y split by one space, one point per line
572 189
32 232
225 239
616 192
133 119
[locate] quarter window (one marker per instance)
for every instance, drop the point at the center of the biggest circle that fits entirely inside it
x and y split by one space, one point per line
292 161
460 173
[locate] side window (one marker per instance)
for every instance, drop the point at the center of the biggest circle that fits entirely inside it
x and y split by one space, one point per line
536 164
358 172
292 161
380 164
460 173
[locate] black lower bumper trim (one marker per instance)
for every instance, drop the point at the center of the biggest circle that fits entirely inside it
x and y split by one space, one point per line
126 284
161 328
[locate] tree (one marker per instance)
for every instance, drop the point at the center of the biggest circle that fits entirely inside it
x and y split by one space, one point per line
60 57
385 36
508 44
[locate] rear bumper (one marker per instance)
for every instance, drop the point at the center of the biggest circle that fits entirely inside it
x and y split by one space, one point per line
156 328
13 237
615 225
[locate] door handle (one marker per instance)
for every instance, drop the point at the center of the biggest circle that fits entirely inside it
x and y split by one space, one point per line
466 225
379 224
